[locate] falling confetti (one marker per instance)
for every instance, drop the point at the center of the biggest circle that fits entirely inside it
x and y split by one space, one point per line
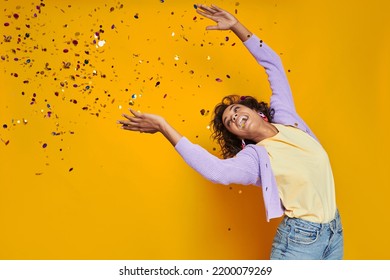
204 112
6 142
101 43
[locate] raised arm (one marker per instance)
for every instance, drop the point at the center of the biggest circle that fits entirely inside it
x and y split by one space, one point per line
224 20
281 99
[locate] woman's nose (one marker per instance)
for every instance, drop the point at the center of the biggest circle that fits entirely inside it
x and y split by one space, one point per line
234 117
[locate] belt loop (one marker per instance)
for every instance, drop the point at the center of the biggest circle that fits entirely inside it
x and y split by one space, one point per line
333 224
285 220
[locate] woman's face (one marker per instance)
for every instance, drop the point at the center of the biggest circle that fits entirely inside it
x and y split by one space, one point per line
242 121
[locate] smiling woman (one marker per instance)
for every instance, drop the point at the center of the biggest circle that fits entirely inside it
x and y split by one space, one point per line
284 157
229 141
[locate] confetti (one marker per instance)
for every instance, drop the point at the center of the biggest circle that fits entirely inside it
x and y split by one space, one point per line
5 142
204 112
44 145
218 80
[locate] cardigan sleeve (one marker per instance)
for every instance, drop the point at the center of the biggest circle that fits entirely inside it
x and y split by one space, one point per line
282 101
266 57
241 169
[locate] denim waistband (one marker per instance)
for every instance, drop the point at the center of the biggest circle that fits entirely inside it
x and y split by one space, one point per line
334 224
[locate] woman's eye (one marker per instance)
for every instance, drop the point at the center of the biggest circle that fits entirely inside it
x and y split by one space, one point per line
235 109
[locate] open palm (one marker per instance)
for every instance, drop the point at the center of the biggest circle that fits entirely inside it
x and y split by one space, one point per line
224 19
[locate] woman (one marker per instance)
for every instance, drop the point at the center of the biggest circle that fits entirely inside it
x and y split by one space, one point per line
271 147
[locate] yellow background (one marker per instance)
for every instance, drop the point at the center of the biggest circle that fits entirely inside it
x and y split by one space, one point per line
75 186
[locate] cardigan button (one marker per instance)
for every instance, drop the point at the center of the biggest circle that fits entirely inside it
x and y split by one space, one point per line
296 124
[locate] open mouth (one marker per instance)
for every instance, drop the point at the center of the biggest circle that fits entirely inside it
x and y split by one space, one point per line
241 121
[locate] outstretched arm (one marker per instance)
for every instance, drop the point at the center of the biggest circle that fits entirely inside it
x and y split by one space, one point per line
243 169
224 20
149 123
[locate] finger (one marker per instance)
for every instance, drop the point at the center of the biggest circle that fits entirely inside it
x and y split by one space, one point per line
206 8
216 8
131 118
131 128
207 15
212 27
135 113
127 123
126 116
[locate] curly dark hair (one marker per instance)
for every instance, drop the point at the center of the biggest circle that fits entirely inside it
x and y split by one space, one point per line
230 143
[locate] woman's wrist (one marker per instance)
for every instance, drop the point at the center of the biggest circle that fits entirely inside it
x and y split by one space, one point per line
169 132
241 31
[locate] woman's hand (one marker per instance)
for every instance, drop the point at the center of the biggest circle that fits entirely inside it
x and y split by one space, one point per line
149 123
224 19
142 122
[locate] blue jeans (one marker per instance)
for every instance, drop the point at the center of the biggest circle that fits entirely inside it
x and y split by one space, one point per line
297 239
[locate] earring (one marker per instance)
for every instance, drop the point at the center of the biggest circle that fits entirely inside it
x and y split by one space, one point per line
264 117
243 144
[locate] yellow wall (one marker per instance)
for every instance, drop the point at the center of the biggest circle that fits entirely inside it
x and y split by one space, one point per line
98 192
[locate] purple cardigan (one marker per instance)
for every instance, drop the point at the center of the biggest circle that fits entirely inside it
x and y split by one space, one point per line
251 166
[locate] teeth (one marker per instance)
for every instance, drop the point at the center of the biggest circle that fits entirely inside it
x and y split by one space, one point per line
242 121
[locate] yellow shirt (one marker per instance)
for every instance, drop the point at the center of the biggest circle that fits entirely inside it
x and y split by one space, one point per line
303 174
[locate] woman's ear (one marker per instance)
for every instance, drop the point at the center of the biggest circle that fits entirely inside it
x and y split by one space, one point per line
264 117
